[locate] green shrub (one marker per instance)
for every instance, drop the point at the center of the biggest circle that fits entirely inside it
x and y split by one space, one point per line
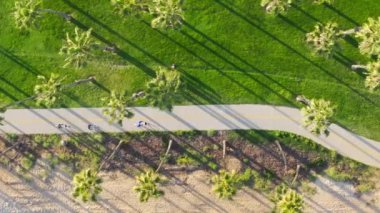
307 189
11 137
213 166
28 161
47 141
336 175
262 183
186 160
212 133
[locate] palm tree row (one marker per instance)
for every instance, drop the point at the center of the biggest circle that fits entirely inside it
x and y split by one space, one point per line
167 14
324 41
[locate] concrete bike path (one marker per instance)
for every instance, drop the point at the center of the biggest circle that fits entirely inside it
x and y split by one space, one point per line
196 117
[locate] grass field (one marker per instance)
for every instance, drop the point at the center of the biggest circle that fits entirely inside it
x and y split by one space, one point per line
228 50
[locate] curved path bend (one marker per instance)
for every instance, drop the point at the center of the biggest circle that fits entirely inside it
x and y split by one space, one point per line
196 117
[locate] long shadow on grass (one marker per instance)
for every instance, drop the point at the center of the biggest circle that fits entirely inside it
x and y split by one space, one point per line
194 84
118 51
295 52
341 14
234 55
17 60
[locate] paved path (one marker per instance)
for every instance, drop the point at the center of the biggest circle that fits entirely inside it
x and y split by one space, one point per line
199 117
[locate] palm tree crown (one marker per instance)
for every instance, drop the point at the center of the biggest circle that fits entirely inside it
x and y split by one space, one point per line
168 14
47 92
162 91
323 38
86 185
116 107
77 49
147 185
317 115
25 13
370 36
372 80
287 200
276 7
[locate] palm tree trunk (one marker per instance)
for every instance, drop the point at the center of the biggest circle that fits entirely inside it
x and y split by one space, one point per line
350 31
164 158
80 81
358 66
18 102
303 99
111 155
64 15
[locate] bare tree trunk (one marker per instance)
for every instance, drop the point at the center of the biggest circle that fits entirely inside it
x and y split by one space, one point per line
18 102
283 156
224 149
303 99
350 31
62 14
80 81
111 155
166 153
358 66
296 176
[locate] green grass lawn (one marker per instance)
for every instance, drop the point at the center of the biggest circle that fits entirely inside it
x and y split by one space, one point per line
228 50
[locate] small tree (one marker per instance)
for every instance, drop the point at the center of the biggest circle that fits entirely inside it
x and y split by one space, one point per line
147 185
46 93
226 184
323 1
323 38
287 200
77 49
116 107
86 185
276 7
168 14
162 91
369 33
317 115
372 80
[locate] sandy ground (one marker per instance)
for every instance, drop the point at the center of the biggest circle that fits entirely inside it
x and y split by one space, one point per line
189 193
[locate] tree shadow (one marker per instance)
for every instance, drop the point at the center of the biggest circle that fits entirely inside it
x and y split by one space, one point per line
338 79
17 60
342 14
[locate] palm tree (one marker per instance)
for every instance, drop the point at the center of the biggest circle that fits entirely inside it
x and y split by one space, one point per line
287 200
147 185
86 185
323 38
129 7
116 107
276 7
27 12
369 33
168 14
226 184
46 93
317 115
78 49
162 91
372 80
